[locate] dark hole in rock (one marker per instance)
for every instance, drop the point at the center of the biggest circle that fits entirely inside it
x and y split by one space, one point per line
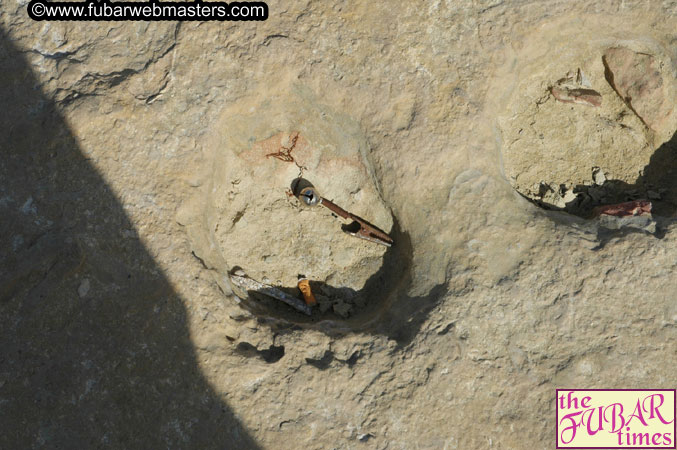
322 363
326 360
270 355
353 227
353 359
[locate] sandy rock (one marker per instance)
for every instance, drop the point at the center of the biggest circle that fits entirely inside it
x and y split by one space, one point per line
553 140
598 175
261 147
643 223
109 128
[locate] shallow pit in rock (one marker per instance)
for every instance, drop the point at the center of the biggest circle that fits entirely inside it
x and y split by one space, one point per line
247 224
594 125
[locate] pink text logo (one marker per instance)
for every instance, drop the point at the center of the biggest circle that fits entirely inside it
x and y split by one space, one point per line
621 418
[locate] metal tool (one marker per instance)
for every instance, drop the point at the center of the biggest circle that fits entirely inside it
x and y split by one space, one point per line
359 227
245 283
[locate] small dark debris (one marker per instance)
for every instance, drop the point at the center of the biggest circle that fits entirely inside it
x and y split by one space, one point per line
273 354
353 359
322 363
270 355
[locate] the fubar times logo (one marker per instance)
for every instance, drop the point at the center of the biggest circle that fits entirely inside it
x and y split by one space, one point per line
620 418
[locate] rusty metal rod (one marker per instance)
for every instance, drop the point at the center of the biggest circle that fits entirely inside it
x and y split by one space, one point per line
365 231
359 227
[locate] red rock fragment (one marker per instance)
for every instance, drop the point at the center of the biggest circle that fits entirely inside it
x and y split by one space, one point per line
636 78
581 96
574 88
634 208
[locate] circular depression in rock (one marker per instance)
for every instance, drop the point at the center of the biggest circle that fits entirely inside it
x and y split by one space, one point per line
592 124
252 229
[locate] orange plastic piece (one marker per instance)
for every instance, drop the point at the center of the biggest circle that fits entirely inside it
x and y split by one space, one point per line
304 286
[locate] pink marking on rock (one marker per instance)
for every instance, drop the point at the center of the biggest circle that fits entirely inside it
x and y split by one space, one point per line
581 96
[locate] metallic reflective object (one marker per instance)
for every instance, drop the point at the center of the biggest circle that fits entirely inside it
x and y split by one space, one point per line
247 285
359 227
309 196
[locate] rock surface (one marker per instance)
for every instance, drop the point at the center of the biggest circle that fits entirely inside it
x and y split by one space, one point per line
261 149
557 150
109 132
639 81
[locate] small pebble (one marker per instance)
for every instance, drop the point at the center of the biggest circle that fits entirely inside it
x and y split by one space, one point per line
83 289
598 176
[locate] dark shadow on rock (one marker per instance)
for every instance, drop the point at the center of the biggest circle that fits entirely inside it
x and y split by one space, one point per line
660 176
657 183
381 307
95 349
394 271
270 355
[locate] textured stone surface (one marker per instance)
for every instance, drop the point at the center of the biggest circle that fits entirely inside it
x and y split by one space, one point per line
106 137
247 211
557 149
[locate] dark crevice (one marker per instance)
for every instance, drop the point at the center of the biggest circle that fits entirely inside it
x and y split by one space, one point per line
202 261
328 357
